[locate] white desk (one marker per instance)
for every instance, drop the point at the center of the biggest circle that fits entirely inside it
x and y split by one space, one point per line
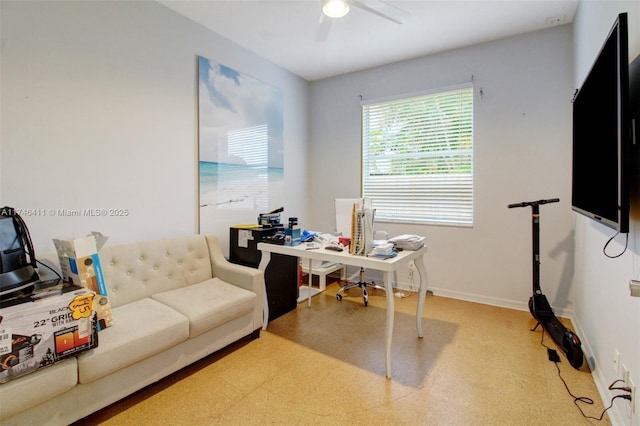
387 266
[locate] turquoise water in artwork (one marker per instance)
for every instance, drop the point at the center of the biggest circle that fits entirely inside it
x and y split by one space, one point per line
237 186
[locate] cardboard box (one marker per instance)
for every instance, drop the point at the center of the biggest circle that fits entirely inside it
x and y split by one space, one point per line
80 264
36 334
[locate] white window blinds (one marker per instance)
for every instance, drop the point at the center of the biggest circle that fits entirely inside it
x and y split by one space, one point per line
417 158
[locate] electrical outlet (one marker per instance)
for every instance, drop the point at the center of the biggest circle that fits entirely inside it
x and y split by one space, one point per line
616 362
632 386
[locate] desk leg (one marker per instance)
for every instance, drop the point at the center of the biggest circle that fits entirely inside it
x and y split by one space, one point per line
310 282
264 261
388 285
423 292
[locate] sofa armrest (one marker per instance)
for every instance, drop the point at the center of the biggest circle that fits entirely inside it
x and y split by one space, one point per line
248 278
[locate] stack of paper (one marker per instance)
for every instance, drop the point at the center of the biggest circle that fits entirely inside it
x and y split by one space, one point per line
408 242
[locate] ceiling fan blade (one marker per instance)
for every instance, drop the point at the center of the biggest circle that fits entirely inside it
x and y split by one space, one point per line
382 9
324 25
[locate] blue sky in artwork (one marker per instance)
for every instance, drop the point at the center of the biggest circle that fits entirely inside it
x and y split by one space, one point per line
229 73
216 97
230 101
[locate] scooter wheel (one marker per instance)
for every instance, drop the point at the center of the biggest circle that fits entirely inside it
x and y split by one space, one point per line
573 349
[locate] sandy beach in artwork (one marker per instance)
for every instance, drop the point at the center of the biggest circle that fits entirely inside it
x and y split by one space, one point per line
236 195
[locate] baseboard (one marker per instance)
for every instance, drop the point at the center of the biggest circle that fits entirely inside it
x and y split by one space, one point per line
477 298
520 305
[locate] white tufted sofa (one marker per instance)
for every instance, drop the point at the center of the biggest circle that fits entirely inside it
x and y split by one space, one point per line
174 301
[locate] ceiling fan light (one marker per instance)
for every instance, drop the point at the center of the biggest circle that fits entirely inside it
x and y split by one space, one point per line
335 8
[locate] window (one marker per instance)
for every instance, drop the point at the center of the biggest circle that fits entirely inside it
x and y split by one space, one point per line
417 157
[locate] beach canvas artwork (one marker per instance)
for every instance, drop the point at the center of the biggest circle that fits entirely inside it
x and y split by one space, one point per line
240 148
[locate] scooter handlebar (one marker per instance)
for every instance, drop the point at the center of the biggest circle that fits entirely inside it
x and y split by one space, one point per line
534 203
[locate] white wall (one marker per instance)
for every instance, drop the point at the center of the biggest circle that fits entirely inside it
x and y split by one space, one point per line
608 316
522 152
99 110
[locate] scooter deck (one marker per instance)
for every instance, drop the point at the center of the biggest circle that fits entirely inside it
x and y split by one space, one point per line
564 338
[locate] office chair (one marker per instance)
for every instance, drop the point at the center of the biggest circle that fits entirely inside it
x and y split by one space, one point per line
346 227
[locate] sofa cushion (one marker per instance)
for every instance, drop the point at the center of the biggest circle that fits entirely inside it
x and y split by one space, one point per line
140 329
37 387
209 303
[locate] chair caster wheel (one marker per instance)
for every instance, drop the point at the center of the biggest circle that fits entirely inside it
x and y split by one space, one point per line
339 297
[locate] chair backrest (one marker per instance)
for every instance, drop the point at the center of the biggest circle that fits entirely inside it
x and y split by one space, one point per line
344 209
360 232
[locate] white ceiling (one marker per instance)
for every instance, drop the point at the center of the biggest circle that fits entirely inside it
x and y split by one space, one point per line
285 31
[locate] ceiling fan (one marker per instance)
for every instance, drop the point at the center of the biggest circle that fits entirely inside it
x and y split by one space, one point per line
332 9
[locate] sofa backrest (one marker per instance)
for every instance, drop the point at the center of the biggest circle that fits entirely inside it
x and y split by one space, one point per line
137 270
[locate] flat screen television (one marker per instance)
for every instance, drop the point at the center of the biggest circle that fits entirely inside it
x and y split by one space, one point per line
602 135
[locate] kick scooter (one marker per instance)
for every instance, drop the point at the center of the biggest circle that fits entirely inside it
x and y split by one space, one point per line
539 307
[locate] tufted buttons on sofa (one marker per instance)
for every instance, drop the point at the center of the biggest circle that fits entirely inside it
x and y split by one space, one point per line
161 265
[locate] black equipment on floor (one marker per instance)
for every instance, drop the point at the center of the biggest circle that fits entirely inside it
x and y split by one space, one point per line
539 306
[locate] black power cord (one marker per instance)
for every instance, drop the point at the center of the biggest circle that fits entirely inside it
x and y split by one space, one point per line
49 267
584 399
626 244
